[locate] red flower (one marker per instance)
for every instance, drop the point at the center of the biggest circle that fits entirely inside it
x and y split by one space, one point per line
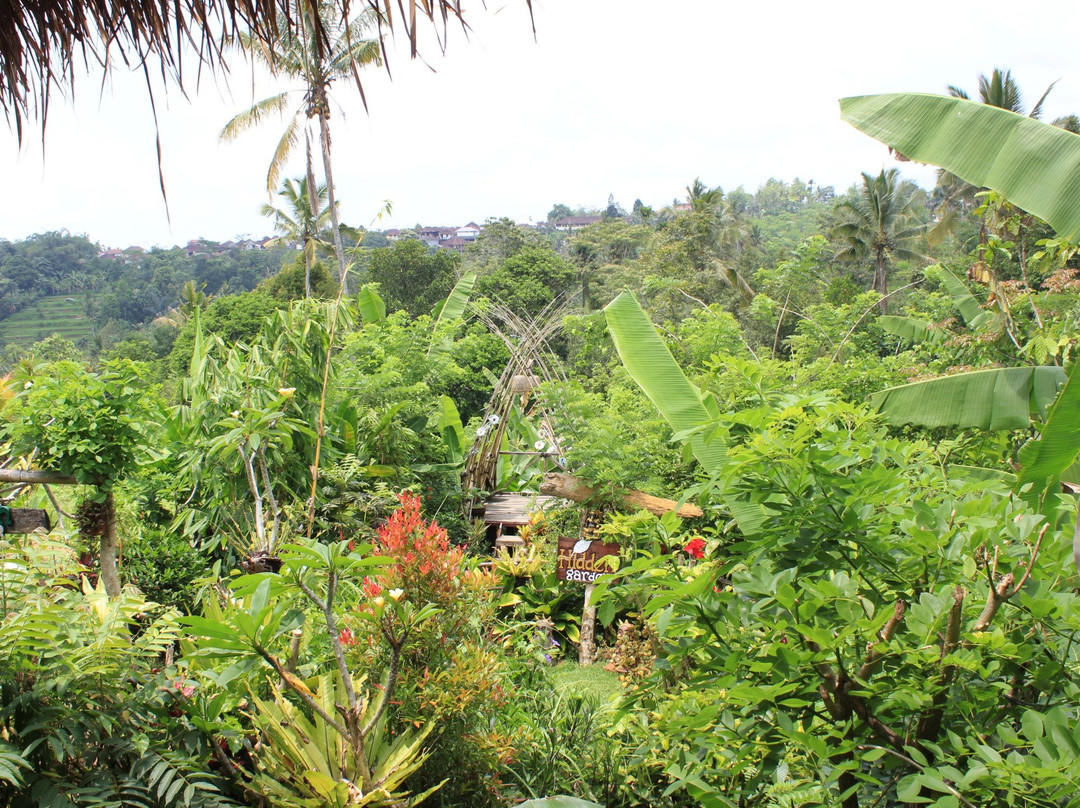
695 548
346 637
371 589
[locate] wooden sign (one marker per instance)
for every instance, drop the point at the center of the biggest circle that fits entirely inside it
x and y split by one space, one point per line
23 520
584 561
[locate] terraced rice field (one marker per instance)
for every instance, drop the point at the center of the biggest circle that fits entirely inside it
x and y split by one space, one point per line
56 314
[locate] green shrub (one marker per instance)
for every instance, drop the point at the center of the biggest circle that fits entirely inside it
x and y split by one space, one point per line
164 566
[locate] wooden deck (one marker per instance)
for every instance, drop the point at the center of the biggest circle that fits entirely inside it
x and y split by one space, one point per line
514 509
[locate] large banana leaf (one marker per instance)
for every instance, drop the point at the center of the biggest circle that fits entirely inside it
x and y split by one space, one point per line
652 366
1043 461
1036 166
1001 398
453 433
687 411
454 305
910 328
966 303
451 309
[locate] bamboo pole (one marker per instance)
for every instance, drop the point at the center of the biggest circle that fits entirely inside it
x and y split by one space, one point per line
567 486
23 476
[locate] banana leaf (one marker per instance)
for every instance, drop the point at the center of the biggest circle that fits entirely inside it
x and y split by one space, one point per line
651 365
1036 166
910 328
451 309
451 430
1045 459
966 303
372 306
454 306
1001 398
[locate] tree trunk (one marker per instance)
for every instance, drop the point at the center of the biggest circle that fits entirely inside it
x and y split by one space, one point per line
883 281
313 207
587 644
324 138
110 577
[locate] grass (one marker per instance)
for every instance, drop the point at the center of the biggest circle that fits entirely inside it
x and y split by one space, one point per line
56 314
589 681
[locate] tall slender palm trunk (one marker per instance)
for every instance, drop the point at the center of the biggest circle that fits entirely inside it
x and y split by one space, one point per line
324 137
313 206
882 281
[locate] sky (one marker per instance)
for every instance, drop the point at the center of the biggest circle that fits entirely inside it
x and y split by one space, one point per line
629 98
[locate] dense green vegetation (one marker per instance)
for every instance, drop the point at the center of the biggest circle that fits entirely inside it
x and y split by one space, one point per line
271 590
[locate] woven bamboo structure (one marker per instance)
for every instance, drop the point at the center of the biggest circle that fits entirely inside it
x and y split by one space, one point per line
530 365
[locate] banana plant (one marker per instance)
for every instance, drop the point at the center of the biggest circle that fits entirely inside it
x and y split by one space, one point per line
693 415
453 308
1033 164
915 330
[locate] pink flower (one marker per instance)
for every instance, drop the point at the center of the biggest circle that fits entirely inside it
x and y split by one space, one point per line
695 548
187 691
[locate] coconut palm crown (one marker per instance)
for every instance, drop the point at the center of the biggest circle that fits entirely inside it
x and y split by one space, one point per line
298 220
297 57
882 222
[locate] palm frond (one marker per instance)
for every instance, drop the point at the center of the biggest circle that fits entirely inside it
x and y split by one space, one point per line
1036 111
41 42
255 115
284 148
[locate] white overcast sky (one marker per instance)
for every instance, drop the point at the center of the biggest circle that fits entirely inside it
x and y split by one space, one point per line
623 97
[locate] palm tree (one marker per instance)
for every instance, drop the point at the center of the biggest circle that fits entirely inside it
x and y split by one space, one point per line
703 198
301 219
883 223
727 232
302 54
998 90
1001 90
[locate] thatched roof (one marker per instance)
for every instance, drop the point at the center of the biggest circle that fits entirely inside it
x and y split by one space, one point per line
42 40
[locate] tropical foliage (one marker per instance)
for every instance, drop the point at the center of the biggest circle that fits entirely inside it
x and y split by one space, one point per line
868 599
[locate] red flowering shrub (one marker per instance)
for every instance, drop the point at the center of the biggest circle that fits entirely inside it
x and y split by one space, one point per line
426 566
371 588
695 548
450 670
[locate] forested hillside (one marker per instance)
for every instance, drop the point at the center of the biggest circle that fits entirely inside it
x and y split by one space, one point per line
110 294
